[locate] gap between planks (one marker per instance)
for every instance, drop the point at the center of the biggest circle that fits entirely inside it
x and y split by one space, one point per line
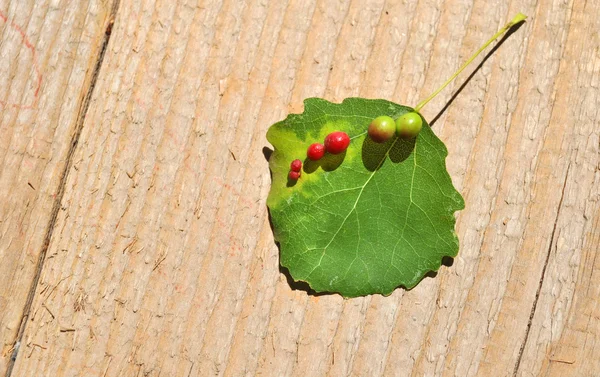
541 283
83 109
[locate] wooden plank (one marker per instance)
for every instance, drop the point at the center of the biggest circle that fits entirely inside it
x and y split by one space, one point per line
510 242
575 351
163 261
48 52
565 327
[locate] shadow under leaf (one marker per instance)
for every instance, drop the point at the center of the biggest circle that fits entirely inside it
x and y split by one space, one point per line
301 285
446 262
267 152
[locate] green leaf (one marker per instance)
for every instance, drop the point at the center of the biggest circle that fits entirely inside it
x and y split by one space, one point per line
367 221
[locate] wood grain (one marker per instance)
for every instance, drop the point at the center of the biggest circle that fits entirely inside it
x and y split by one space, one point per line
162 260
48 53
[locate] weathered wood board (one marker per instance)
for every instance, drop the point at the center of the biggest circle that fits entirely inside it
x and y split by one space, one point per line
161 260
48 54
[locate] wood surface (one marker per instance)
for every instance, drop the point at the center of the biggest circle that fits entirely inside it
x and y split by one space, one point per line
134 235
49 54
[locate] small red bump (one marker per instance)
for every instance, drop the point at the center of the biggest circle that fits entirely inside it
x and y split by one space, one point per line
296 165
294 175
337 142
316 151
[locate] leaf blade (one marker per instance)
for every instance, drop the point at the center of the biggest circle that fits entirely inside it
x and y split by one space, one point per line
335 228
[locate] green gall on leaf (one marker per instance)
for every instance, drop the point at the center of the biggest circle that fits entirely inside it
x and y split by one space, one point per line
409 125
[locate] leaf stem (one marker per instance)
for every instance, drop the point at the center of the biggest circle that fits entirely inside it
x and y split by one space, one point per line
517 19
